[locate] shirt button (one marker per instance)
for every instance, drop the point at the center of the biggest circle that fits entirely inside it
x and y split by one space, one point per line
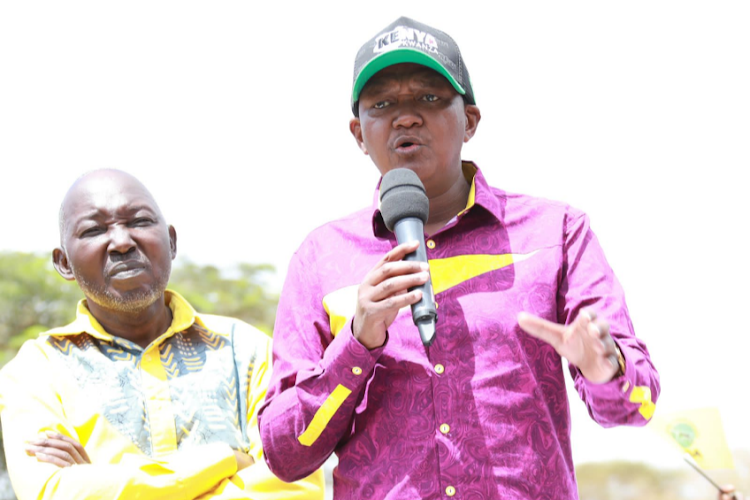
450 491
439 368
357 370
625 386
445 428
430 244
436 305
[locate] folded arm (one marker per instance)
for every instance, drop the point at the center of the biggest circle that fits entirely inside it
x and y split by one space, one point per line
43 462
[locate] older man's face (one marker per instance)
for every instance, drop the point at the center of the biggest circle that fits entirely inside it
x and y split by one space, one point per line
116 243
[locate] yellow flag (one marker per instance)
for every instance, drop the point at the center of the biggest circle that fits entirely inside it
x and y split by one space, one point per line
699 433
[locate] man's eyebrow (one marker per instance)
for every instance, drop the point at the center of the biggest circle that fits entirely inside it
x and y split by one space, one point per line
376 85
91 214
430 78
138 208
424 79
96 213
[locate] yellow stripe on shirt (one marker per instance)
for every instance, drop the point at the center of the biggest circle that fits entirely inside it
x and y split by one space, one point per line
642 394
324 415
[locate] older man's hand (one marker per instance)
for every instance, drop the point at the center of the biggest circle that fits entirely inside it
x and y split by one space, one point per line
243 460
585 343
57 449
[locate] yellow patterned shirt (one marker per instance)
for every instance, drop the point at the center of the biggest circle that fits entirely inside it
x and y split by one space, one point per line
159 422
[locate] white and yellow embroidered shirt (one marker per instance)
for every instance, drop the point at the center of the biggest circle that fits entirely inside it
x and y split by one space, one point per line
159 422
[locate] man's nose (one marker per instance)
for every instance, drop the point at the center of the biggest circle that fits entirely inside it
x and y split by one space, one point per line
407 115
120 240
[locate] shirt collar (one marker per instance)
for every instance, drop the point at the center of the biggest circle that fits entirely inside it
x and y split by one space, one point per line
183 316
480 194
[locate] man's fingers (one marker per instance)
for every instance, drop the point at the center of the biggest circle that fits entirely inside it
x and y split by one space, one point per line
397 285
603 342
550 332
392 269
397 301
60 446
51 459
392 264
82 452
77 450
587 314
400 251
50 455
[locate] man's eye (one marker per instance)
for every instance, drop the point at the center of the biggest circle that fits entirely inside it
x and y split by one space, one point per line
141 221
380 104
92 231
430 97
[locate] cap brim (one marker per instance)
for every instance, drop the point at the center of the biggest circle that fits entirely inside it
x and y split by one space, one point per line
398 56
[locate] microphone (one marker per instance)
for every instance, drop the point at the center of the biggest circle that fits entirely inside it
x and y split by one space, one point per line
405 207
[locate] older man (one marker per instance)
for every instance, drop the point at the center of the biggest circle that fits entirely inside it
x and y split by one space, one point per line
141 396
519 283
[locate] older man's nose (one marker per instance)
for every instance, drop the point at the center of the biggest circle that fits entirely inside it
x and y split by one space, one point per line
120 240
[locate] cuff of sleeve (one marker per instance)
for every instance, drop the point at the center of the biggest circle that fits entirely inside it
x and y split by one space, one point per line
623 387
348 360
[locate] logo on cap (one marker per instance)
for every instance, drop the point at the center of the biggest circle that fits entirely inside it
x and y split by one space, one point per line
405 37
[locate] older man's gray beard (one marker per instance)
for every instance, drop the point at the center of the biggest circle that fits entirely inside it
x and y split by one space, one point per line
129 302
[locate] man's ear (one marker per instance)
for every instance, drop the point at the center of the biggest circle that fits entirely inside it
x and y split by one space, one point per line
355 127
61 264
173 241
472 121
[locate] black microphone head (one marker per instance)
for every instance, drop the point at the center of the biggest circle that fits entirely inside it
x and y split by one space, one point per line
402 195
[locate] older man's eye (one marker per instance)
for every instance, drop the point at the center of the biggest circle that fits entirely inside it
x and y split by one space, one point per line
92 231
380 104
430 97
141 221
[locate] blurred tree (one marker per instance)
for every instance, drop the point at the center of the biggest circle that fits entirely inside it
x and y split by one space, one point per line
33 298
240 292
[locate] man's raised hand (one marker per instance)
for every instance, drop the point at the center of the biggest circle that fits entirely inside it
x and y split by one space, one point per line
585 343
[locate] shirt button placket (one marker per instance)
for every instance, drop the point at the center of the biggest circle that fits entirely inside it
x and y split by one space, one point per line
444 428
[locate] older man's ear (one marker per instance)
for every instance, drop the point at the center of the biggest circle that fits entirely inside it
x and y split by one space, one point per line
61 264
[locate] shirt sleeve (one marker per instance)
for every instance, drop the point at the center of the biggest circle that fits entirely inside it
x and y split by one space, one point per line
30 406
588 282
318 380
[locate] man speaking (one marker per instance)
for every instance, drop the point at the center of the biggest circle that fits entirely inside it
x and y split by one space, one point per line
480 412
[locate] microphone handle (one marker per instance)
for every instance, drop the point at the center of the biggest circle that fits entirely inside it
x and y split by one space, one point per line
423 312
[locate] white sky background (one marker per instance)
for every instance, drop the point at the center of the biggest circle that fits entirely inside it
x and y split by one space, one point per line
236 114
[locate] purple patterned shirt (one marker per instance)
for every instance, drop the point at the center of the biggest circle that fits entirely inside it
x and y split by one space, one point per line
483 412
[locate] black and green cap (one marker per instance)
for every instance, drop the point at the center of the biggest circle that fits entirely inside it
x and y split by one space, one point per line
408 41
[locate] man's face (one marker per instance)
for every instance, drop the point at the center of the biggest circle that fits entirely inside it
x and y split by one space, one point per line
116 243
411 117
